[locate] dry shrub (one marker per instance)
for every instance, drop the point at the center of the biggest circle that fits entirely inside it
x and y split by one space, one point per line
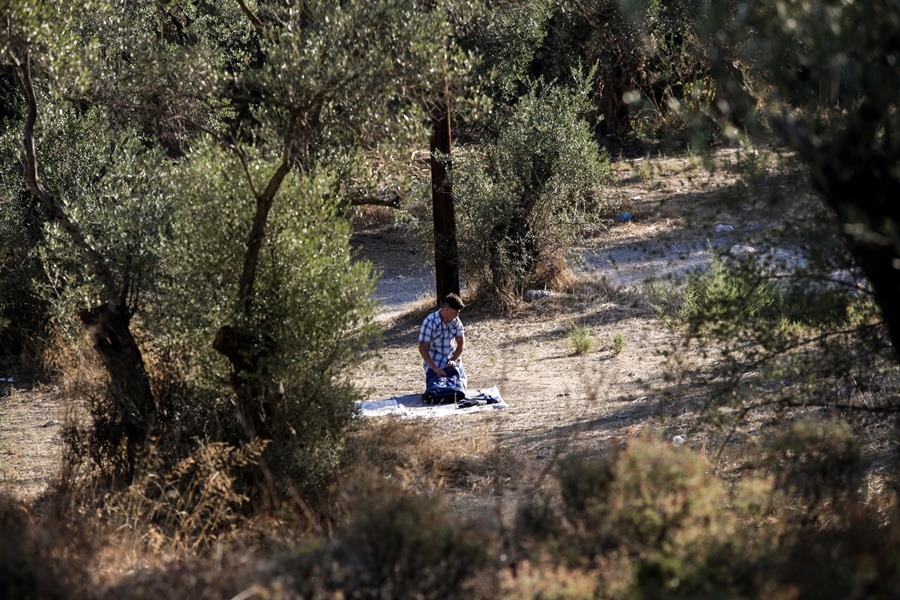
32 560
816 461
550 582
552 272
232 576
652 521
857 558
649 494
189 506
652 514
403 545
411 452
372 219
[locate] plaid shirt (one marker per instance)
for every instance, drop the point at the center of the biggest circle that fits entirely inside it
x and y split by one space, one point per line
440 337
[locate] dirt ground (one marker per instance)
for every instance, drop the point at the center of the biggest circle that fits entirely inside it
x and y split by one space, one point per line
560 401
557 399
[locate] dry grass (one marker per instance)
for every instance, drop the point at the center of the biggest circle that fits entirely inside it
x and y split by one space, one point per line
640 380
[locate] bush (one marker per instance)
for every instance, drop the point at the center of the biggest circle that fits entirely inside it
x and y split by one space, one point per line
401 545
312 308
649 496
580 338
655 514
787 338
522 196
30 565
652 521
24 311
190 505
816 461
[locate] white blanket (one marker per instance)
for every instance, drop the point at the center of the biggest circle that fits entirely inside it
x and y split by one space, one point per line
410 406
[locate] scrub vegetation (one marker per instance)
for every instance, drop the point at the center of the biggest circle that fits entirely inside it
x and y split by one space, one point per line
198 198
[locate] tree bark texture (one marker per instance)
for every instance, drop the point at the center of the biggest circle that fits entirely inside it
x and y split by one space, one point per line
870 199
446 252
246 352
109 327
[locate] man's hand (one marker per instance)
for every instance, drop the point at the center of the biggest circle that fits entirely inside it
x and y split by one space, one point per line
440 372
451 363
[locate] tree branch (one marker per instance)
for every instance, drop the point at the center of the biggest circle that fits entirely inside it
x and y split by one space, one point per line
50 203
263 206
257 22
388 197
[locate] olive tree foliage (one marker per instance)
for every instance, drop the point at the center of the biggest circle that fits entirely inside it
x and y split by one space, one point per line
824 79
523 195
329 74
264 100
312 307
23 313
647 56
96 184
506 38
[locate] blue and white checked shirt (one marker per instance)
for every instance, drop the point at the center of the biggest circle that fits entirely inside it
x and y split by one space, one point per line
440 337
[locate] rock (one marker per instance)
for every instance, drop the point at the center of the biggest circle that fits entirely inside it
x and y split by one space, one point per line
532 295
677 440
722 228
741 250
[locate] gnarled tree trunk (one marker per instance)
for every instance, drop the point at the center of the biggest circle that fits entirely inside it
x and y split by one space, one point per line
109 327
108 323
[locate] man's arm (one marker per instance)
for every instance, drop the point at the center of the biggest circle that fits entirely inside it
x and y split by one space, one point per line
460 343
423 350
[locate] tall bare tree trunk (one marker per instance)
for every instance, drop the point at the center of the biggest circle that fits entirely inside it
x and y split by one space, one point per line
446 252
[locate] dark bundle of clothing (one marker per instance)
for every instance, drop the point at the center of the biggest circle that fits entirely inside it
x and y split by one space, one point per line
445 390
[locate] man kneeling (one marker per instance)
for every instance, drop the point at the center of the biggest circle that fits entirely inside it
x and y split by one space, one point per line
441 343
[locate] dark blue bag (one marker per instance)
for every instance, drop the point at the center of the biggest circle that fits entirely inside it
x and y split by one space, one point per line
445 390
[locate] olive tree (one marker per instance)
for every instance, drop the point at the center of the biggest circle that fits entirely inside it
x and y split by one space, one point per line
285 92
825 80
327 74
523 194
97 185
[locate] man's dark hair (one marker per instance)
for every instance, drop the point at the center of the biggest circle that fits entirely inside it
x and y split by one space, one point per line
454 302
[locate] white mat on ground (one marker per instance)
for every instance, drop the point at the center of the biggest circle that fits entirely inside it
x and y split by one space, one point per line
410 406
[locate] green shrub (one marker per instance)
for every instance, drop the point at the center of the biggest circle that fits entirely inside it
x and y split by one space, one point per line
618 343
580 338
650 495
24 313
521 197
312 309
733 296
655 511
787 338
655 523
